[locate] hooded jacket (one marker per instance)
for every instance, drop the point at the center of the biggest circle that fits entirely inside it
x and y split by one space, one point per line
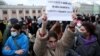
22 41
87 47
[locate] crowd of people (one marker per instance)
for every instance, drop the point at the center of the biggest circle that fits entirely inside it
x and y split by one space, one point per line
40 37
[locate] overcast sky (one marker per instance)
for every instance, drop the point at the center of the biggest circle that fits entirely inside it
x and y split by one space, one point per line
25 2
42 2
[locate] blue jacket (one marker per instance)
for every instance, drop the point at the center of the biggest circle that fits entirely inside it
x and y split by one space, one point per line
22 40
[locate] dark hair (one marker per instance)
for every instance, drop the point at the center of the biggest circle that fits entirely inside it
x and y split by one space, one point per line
14 21
16 26
57 29
89 27
52 34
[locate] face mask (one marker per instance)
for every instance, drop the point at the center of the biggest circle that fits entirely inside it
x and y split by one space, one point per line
82 34
13 34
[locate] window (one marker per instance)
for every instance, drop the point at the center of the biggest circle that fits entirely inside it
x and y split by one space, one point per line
39 11
27 12
20 11
13 11
34 11
4 11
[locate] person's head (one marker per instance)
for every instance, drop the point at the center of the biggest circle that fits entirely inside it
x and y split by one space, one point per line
29 23
52 40
13 21
22 19
98 20
15 30
87 29
24 29
58 30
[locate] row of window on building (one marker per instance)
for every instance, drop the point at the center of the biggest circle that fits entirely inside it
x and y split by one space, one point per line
20 11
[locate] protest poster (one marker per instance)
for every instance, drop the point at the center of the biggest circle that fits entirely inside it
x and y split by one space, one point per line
59 10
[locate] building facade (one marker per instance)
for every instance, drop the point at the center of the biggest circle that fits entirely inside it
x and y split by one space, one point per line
18 11
87 8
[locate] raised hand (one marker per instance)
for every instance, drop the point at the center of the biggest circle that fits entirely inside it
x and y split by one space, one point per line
44 25
44 18
72 25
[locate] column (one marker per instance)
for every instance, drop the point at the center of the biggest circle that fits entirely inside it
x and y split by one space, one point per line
17 14
24 13
9 14
36 13
30 12
1 14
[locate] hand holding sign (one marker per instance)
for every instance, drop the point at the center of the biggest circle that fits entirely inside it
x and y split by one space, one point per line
72 25
44 24
44 18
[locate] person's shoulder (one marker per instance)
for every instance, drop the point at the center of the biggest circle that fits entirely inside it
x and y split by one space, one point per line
9 38
23 35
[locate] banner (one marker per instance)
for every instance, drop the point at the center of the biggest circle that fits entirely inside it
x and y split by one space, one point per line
59 10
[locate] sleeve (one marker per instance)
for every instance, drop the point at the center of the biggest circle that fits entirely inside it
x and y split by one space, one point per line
40 44
25 45
7 52
67 39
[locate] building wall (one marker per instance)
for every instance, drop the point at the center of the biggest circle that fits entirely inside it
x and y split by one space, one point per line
96 9
0 14
89 9
85 8
19 14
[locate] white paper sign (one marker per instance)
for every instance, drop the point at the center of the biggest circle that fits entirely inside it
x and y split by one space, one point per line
59 10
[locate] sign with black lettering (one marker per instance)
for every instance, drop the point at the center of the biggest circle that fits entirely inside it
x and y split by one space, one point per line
59 10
